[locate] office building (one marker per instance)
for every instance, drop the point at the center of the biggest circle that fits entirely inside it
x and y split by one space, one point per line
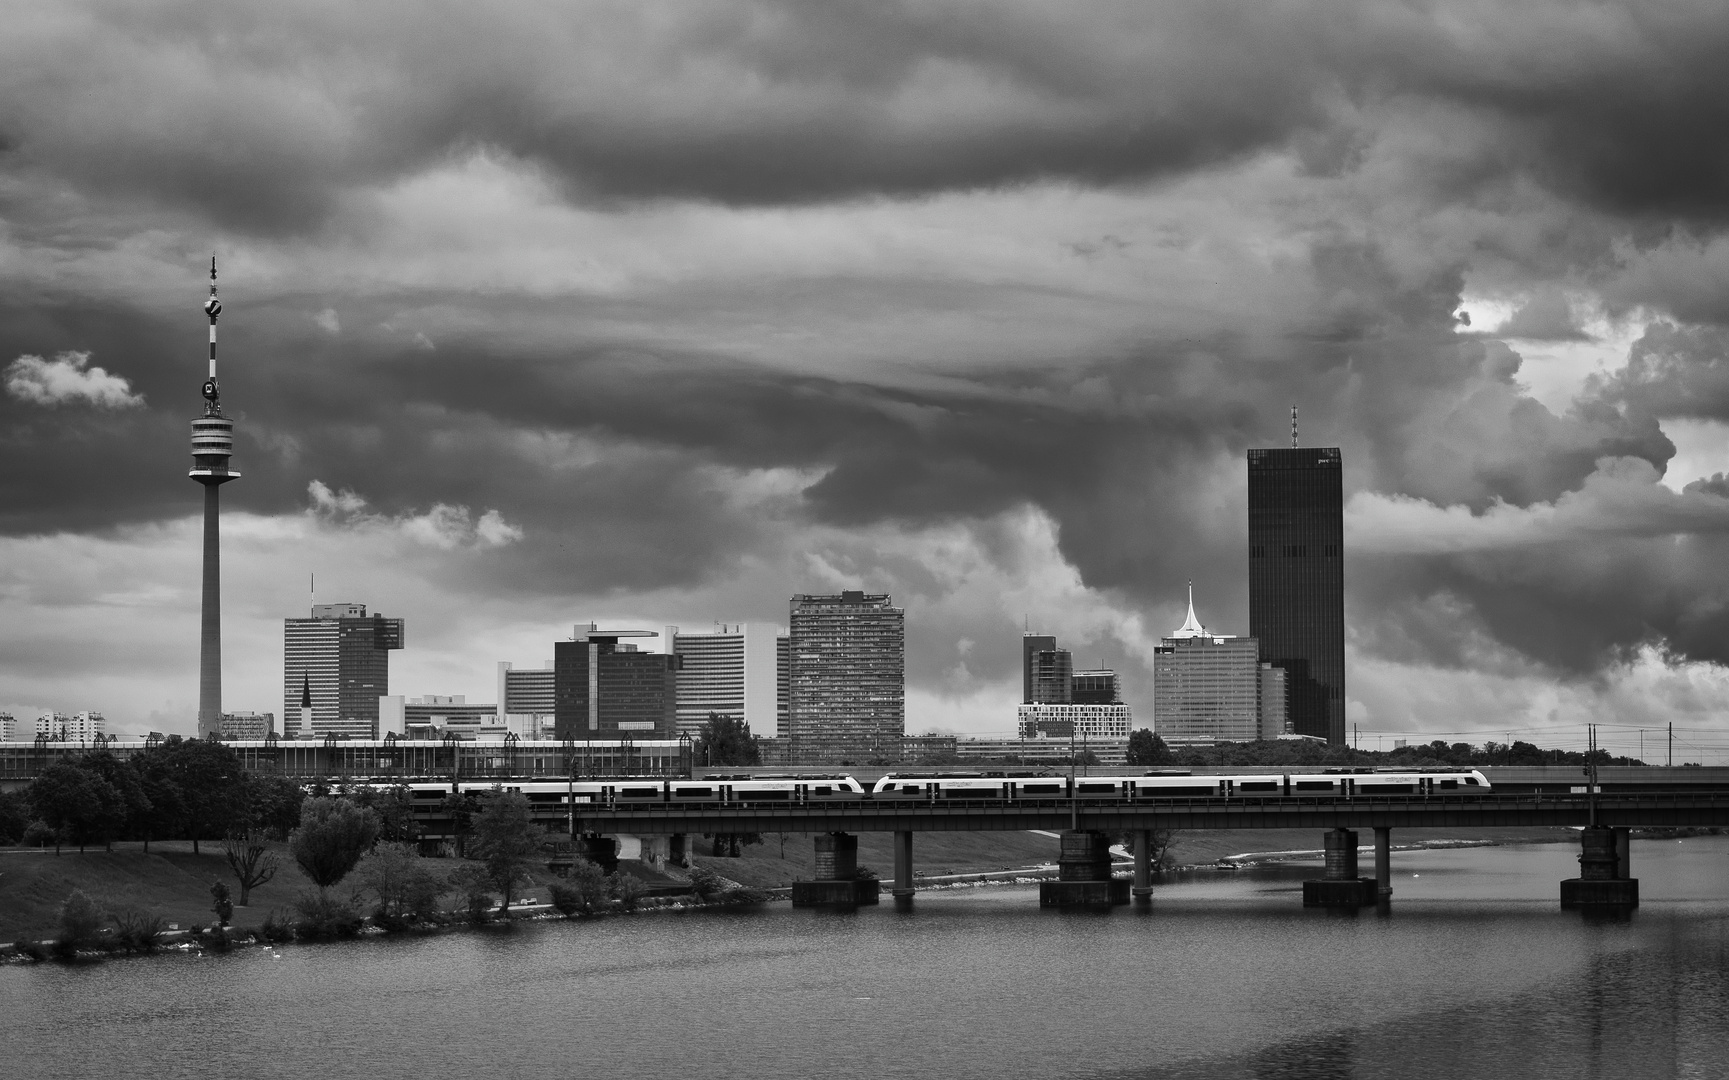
340 659
1297 580
527 700
212 446
730 671
1035 664
1207 687
80 727
1060 702
846 684
8 727
1275 710
604 688
248 725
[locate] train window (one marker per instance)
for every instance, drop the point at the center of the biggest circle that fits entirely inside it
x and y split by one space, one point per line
1471 781
1041 789
1449 783
1098 789
639 793
694 792
910 789
747 794
1314 785
822 790
1258 785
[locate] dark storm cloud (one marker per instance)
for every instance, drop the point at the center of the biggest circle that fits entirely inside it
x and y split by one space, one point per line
262 115
1672 371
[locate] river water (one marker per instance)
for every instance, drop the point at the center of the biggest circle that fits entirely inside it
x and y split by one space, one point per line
1475 972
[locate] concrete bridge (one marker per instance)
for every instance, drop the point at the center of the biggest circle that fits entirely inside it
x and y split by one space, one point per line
1088 824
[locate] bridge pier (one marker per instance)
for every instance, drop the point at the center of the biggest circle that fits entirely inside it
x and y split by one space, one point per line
1142 890
838 883
1605 879
1340 887
903 888
600 850
1084 874
1383 864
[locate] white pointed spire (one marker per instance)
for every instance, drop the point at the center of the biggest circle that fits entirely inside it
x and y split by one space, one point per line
1191 627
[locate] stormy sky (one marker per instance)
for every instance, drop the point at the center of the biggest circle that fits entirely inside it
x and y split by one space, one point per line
662 312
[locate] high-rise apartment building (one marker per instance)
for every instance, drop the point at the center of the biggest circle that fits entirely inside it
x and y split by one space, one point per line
846 684
603 688
730 671
1297 580
340 657
8 727
1208 687
78 727
782 683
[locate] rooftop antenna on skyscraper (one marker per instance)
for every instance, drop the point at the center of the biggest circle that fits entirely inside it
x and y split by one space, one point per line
1293 427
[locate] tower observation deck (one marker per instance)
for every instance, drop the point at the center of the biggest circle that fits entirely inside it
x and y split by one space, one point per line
212 446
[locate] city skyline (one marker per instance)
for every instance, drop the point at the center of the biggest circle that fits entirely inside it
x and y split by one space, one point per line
665 321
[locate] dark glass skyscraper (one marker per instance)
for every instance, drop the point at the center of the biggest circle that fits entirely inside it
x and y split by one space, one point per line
1297 580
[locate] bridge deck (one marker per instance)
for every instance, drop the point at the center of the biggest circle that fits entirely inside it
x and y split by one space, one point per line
1646 810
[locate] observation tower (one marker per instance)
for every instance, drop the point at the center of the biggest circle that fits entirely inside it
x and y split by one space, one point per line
212 446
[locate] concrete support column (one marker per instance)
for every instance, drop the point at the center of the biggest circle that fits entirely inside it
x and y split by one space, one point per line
1383 861
1341 849
1340 887
1143 887
1623 860
903 890
836 856
1603 880
677 852
837 883
1083 874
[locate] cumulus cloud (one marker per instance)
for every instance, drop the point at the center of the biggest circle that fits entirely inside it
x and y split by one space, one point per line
444 527
68 379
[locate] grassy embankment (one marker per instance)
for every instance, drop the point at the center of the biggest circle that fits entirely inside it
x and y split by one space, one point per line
176 883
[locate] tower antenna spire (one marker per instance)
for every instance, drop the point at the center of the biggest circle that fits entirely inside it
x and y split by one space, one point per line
1293 408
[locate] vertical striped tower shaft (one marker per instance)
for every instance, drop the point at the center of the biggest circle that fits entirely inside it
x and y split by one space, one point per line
210 623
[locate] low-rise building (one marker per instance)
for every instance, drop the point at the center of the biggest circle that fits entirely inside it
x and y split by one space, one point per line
248 725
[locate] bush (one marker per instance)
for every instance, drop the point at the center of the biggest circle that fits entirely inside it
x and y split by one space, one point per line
80 922
584 889
474 885
627 889
137 929
216 939
325 916
864 873
31 949
707 885
276 929
38 834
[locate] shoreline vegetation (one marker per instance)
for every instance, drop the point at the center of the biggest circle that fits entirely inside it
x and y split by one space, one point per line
92 929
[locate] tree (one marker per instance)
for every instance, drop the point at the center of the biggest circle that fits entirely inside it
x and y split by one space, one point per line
506 841
1146 748
210 782
131 803
251 861
395 809
333 835
461 809
222 902
14 816
401 880
77 804
726 740
273 806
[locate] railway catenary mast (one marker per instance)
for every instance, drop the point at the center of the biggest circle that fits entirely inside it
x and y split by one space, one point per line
212 446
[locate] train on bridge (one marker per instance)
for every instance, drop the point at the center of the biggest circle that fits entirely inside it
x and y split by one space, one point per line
925 787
